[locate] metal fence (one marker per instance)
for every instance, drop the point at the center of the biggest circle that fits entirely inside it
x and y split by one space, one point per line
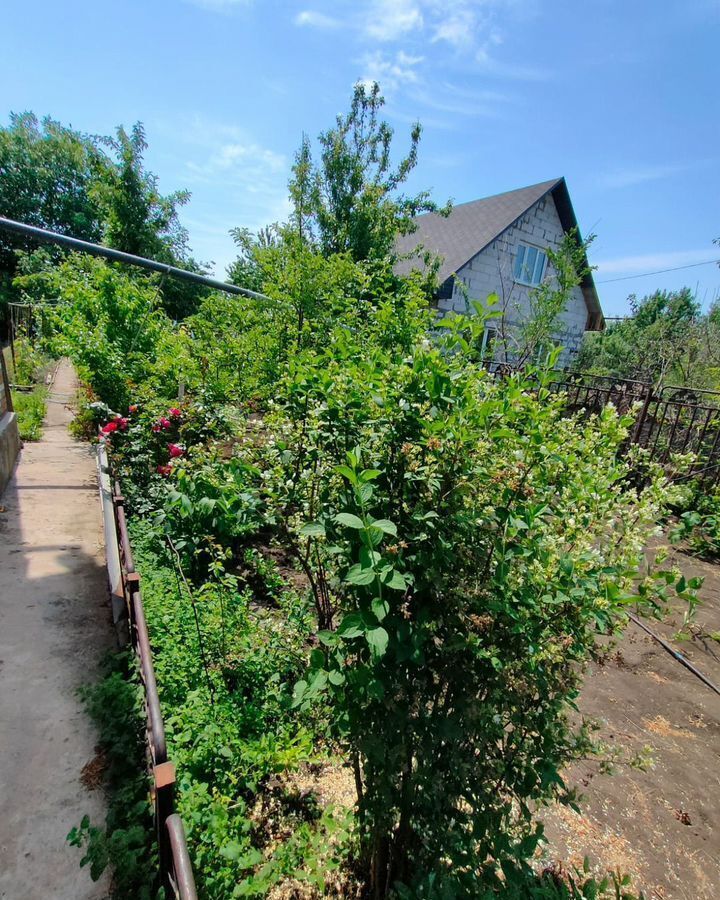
129 616
668 420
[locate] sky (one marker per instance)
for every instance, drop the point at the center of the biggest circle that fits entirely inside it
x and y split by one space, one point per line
618 96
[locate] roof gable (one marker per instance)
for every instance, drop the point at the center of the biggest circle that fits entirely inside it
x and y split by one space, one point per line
472 226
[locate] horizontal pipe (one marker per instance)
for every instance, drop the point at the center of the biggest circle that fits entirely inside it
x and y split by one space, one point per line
64 240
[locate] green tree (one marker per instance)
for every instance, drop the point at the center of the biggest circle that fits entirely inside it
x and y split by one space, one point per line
666 340
139 219
47 177
351 201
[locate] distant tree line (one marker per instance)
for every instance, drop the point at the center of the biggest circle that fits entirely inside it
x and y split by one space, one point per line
666 340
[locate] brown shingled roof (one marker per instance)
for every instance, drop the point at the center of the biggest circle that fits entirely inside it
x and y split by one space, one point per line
470 227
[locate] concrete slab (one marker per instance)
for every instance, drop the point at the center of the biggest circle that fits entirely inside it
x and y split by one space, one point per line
54 628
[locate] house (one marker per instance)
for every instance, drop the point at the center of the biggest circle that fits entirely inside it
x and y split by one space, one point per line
498 245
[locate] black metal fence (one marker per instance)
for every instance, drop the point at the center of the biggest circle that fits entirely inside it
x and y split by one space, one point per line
668 420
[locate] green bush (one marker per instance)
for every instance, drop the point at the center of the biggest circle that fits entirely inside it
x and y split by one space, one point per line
31 409
108 322
698 525
467 543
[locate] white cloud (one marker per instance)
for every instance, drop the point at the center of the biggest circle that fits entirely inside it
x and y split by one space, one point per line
390 72
388 20
235 158
652 262
626 177
458 101
314 19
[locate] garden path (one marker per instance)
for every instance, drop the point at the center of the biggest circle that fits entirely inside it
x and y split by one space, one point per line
54 627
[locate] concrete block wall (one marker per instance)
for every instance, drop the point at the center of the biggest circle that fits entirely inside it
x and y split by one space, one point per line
491 272
9 447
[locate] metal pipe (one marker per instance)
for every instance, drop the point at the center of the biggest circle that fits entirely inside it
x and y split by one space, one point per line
674 653
184 880
52 237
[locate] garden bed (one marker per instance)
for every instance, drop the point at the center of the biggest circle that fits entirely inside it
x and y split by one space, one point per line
657 818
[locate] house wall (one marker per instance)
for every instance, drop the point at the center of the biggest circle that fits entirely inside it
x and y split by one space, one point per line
491 271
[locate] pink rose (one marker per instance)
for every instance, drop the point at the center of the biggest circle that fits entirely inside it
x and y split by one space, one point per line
174 412
164 470
175 451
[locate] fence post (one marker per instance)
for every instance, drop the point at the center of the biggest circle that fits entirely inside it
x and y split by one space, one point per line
640 424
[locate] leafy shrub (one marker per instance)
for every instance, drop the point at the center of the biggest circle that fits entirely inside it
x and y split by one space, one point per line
30 409
109 323
466 542
225 675
698 526
30 362
126 841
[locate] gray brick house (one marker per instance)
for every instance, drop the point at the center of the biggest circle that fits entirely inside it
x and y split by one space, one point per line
499 245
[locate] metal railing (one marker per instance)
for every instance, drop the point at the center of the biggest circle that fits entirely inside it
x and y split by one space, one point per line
129 615
669 420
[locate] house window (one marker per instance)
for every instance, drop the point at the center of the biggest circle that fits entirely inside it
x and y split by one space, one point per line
529 265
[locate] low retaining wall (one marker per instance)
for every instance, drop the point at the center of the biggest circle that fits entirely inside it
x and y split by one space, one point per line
9 447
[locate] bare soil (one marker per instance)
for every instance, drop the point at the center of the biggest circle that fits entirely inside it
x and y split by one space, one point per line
661 825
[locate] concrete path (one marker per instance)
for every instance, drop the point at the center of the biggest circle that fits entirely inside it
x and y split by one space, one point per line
54 628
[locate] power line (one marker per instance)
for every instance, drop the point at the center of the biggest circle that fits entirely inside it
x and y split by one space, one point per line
659 271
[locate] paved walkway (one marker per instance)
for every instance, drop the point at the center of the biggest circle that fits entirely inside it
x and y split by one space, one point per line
54 627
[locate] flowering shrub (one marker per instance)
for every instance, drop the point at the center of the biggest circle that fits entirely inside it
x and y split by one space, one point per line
467 544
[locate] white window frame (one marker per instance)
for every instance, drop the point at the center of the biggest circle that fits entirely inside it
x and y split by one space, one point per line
541 258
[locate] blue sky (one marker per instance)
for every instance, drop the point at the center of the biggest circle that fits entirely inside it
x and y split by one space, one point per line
619 96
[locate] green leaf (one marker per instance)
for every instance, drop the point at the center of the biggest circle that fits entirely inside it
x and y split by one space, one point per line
397 581
313 529
299 692
358 575
351 626
380 608
377 639
386 526
347 472
350 520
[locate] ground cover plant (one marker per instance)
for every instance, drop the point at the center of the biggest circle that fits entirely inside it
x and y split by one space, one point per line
360 552
28 371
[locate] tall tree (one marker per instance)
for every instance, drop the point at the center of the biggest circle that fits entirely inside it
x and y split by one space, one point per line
138 218
47 178
351 200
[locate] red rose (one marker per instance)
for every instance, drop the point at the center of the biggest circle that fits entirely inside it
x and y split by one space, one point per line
164 470
110 427
165 423
132 408
174 412
175 451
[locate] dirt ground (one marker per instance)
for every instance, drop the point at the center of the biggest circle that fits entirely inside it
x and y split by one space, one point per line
661 825
54 627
